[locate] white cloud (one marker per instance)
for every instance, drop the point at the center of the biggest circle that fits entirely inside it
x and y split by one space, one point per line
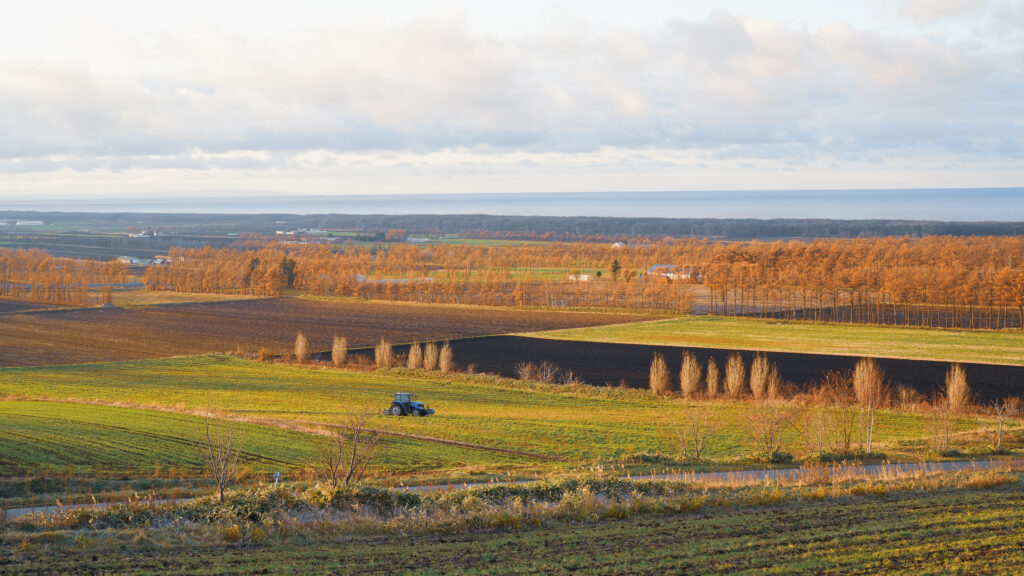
329 98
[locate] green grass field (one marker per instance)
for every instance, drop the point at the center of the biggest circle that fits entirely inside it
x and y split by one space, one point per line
994 347
54 438
580 425
951 531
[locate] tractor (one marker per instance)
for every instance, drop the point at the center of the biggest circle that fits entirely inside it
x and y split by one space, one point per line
403 405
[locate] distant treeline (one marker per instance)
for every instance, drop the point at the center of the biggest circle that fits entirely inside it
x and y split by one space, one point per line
549 227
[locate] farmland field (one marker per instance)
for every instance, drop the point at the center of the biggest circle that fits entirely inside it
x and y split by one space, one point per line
995 347
46 438
578 425
914 533
87 335
604 363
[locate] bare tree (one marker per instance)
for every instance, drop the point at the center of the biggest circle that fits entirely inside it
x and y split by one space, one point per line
415 358
816 427
526 371
712 378
383 355
660 377
940 424
837 391
301 348
690 375
445 360
346 451
547 371
1005 410
766 423
957 392
219 451
430 356
694 433
735 375
871 393
339 350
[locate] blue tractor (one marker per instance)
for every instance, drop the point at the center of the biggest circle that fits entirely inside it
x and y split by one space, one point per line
403 405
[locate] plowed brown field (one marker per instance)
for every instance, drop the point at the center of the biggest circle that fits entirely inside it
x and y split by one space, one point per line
91 335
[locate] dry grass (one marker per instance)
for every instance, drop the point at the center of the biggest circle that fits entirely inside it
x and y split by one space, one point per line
446 360
301 348
958 393
339 350
660 378
712 378
430 356
735 375
690 375
383 355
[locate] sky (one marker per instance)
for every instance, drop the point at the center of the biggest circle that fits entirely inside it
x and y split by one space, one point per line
140 99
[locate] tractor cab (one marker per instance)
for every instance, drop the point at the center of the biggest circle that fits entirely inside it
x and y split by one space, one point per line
404 405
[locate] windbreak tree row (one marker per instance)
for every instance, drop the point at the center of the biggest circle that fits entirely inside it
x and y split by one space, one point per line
971 282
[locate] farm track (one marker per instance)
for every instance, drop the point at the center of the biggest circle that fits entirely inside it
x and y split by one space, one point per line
94 335
733 477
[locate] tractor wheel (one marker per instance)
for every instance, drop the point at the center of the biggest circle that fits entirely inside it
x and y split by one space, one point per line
418 412
396 410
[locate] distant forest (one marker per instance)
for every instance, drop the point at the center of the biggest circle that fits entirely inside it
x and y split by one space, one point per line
565 228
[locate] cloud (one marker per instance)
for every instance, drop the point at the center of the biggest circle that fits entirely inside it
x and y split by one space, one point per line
723 87
930 11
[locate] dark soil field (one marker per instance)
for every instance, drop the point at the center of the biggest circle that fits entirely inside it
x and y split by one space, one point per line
15 306
611 364
93 334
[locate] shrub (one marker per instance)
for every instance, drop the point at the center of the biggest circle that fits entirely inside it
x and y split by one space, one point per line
264 355
526 371
735 375
383 355
660 378
871 393
301 348
445 359
690 375
711 378
415 358
430 356
547 372
230 533
958 393
339 350
764 378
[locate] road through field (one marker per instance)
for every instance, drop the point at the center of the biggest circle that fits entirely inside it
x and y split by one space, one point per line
733 477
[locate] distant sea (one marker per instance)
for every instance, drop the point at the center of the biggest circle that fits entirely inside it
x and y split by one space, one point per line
976 204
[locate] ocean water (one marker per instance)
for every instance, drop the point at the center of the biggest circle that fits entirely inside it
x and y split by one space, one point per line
975 204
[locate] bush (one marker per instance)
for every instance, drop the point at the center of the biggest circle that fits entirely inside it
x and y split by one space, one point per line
445 360
735 375
690 375
958 393
383 355
339 350
430 356
764 378
712 378
301 348
415 358
660 378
